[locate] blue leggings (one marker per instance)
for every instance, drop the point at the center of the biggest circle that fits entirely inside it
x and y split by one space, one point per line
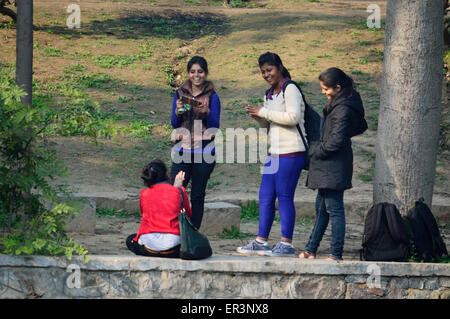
280 183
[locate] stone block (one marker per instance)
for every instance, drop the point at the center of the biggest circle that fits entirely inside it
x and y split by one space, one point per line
220 215
126 204
418 294
416 283
432 283
445 294
356 279
85 221
362 291
445 282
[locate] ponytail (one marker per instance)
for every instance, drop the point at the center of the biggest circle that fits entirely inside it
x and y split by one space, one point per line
285 73
154 173
333 77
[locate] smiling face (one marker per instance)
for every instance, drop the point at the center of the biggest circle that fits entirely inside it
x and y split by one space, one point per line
197 75
330 92
271 74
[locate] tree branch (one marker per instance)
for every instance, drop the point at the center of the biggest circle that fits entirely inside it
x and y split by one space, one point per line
8 12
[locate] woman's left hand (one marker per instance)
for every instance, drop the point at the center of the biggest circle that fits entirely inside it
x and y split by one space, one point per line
179 179
253 110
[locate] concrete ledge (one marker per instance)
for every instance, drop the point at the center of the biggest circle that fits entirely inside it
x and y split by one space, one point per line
217 277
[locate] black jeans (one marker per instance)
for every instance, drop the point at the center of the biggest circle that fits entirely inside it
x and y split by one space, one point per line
199 173
141 250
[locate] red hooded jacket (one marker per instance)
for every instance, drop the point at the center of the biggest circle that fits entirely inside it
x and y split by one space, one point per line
160 206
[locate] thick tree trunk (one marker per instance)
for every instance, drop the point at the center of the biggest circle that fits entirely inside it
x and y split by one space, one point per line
410 106
24 48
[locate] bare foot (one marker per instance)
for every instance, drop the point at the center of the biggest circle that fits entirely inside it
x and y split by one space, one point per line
306 255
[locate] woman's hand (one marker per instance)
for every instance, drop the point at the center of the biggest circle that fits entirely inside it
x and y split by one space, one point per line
253 111
179 106
179 179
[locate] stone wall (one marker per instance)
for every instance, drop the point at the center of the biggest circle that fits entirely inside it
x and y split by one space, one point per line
218 277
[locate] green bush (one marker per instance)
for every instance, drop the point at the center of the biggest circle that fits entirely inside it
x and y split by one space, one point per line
26 166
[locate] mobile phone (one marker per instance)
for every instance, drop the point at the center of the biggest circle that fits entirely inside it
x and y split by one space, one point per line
188 101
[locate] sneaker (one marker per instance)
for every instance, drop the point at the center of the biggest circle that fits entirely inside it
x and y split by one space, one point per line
254 248
282 250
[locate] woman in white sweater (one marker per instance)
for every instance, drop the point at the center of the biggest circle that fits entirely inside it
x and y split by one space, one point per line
283 114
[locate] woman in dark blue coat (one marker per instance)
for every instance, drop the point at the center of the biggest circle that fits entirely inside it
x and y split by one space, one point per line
331 163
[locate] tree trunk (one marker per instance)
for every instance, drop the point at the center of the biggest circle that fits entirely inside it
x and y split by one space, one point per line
8 12
410 106
24 48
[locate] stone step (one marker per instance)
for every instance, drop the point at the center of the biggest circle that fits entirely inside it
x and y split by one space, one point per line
220 215
85 220
305 207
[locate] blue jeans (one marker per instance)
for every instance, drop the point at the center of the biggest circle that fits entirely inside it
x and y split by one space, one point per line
329 206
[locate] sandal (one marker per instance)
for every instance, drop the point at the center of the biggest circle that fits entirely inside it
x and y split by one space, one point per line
306 255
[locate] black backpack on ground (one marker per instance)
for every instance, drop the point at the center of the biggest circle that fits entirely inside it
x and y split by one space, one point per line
312 122
385 235
427 239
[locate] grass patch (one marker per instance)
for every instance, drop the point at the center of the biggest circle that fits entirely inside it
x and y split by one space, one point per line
52 52
114 212
305 221
250 212
211 184
234 233
109 61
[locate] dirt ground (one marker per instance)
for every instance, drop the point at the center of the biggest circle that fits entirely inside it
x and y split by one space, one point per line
111 232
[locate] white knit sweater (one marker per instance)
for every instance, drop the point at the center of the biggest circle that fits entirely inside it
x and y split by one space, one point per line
281 115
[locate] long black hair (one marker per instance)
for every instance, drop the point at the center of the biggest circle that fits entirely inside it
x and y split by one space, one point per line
333 77
275 60
155 172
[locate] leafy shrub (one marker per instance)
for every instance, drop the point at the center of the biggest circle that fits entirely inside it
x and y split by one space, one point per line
26 166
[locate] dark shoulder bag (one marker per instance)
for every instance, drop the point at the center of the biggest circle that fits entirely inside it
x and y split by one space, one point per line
194 245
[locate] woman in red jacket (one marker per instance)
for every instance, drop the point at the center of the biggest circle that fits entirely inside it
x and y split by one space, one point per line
160 203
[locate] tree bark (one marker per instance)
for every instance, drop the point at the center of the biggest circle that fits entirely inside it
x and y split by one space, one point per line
410 106
24 48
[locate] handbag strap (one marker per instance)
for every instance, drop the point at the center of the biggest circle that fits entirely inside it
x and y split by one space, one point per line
303 138
182 210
